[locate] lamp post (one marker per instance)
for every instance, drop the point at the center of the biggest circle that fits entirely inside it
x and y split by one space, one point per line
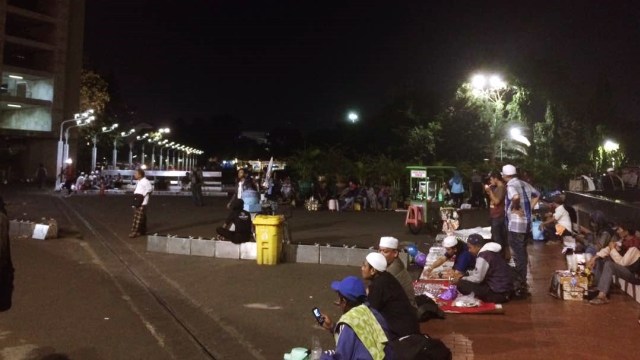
94 151
79 118
490 88
610 147
115 146
168 146
515 134
353 117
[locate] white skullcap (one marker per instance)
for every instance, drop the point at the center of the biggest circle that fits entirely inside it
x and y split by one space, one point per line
508 170
377 261
450 241
611 170
388 242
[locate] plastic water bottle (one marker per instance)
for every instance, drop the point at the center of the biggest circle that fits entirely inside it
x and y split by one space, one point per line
316 348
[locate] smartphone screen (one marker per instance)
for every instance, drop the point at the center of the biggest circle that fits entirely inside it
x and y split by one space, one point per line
318 315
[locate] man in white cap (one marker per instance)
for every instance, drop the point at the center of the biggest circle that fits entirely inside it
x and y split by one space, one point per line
463 260
388 297
388 247
519 203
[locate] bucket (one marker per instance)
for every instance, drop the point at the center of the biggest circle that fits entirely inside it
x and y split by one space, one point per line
333 205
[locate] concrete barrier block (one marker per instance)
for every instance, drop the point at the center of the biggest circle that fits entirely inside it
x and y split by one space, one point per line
330 255
203 247
248 251
180 246
309 254
157 243
355 256
14 228
227 249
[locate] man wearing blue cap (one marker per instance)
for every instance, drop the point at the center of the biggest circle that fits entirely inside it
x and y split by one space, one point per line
490 281
361 332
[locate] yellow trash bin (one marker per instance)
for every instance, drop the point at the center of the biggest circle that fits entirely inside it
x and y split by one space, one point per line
268 238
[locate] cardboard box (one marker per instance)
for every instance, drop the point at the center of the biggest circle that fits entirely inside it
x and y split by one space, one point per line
578 291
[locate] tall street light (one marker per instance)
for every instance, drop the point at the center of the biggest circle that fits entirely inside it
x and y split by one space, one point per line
353 117
79 118
115 146
490 89
516 135
94 151
168 146
611 147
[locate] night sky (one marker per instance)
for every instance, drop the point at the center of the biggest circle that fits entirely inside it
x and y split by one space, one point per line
307 63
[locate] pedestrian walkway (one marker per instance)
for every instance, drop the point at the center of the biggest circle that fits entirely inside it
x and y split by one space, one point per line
95 294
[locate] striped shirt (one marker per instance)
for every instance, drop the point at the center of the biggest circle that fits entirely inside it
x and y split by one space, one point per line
516 222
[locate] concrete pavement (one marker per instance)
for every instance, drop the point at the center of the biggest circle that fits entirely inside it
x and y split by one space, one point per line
96 294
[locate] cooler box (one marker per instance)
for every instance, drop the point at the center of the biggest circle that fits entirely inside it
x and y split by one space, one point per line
268 238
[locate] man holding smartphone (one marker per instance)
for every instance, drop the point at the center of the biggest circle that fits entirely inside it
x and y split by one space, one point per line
361 332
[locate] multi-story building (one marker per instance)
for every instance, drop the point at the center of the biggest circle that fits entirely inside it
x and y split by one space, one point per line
41 49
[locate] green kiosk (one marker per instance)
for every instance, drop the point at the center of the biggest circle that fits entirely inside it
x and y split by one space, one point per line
426 197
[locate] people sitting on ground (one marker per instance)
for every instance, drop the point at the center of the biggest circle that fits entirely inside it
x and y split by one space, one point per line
349 195
559 225
388 297
321 191
361 332
619 258
287 191
238 227
384 197
388 247
371 201
80 182
463 260
250 196
117 183
597 235
611 181
490 280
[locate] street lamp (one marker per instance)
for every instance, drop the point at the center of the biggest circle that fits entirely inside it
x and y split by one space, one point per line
79 118
609 147
168 146
115 146
515 134
353 117
94 151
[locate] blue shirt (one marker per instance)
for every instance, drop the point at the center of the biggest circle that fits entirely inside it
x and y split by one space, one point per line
464 261
350 347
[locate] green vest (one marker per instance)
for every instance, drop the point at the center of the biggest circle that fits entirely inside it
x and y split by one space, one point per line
367 328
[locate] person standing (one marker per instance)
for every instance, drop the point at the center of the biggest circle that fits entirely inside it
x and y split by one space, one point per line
496 192
457 189
143 190
197 179
6 265
520 200
41 175
477 195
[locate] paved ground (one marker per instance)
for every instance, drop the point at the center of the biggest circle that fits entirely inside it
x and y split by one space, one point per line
95 294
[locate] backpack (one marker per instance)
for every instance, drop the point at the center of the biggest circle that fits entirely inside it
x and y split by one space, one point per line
520 290
420 347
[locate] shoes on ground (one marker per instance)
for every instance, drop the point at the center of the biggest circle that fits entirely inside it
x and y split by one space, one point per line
599 301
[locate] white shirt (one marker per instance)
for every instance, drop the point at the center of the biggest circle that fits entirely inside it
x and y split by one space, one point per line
562 217
144 187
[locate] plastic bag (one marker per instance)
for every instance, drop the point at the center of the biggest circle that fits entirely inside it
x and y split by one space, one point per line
467 301
450 294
